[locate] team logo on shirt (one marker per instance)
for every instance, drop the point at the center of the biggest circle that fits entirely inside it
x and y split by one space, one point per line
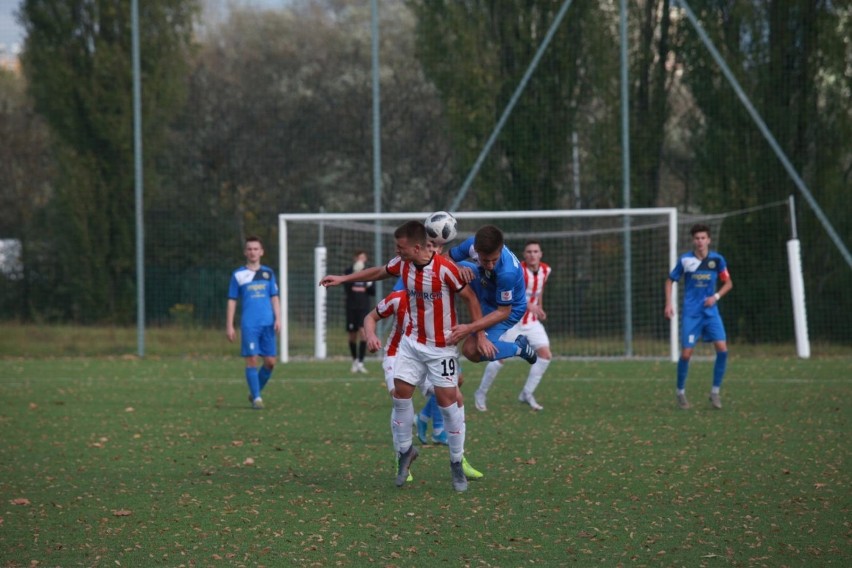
711 264
506 296
265 275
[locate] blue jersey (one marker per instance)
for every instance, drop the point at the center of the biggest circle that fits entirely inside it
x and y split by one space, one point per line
700 278
254 289
503 286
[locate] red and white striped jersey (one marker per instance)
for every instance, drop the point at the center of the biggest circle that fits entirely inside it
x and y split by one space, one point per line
535 287
394 305
431 297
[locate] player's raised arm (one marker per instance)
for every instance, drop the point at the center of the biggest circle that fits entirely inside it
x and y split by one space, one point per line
366 275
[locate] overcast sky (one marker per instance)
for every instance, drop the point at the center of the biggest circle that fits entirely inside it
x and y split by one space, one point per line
12 38
10 33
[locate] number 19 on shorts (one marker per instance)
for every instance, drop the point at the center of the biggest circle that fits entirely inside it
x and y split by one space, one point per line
448 367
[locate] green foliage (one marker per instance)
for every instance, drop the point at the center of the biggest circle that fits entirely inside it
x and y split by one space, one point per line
161 462
787 58
77 60
272 113
477 53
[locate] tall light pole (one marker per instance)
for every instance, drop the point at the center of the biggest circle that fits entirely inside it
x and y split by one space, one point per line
137 164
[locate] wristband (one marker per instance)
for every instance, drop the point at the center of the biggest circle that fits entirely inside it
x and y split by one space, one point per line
717 296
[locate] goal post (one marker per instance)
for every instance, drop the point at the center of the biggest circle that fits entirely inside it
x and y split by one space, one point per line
584 298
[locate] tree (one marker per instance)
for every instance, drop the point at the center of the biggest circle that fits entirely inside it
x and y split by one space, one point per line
77 60
280 118
26 169
789 59
476 54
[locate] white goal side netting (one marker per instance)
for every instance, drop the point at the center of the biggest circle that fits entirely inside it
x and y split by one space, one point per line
605 297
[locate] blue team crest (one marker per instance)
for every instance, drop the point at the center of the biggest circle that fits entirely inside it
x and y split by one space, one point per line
711 264
265 274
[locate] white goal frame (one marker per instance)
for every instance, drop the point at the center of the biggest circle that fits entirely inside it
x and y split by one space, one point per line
320 266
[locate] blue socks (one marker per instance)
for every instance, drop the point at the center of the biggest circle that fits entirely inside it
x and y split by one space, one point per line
682 370
719 368
253 382
263 376
427 411
433 412
437 416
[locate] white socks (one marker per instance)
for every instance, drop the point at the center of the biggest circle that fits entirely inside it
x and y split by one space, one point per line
536 372
488 376
454 425
402 416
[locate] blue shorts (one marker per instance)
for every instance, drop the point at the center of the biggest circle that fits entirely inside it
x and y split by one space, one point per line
708 328
259 341
497 330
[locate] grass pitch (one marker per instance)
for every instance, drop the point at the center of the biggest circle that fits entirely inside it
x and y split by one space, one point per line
127 462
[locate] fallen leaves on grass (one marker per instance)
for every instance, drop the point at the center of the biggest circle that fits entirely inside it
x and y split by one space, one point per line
121 513
20 501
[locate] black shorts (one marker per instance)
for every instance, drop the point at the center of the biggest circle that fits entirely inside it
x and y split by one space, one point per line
355 318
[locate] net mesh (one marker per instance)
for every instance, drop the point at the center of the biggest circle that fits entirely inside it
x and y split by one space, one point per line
584 297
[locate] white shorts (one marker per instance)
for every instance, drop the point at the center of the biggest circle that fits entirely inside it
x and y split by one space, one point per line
534 331
438 365
388 366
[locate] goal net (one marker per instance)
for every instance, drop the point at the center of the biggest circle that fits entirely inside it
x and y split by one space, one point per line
604 297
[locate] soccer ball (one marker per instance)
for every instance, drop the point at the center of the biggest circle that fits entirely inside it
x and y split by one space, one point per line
441 227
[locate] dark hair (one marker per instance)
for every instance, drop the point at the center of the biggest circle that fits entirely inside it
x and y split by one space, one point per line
254 239
414 231
699 228
532 242
488 239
